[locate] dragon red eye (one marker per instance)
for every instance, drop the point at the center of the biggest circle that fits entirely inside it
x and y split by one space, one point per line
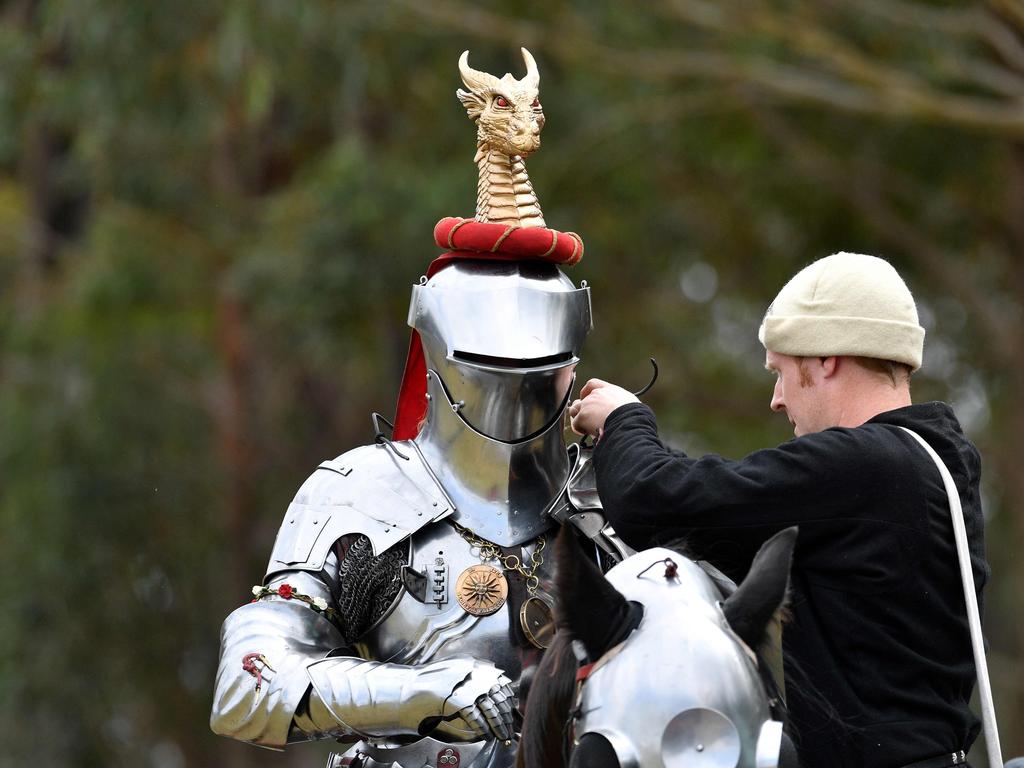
501 101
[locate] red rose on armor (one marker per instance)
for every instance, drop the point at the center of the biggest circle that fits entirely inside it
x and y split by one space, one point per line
286 591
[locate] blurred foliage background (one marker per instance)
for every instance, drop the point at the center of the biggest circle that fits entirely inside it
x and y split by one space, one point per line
211 215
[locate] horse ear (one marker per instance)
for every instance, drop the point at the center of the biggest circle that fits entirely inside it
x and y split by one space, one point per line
763 593
588 605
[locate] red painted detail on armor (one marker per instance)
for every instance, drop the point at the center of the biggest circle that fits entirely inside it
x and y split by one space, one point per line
250 666
449 758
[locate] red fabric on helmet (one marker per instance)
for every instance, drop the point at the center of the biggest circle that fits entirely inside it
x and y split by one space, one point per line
471 239
512 242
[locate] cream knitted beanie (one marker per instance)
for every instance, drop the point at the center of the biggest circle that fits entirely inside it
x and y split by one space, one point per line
845 304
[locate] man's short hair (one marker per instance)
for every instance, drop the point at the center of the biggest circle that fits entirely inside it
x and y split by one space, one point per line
897 372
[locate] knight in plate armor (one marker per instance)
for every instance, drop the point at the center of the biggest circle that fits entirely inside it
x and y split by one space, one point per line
406 598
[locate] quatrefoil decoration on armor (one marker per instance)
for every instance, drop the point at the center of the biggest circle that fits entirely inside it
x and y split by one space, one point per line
481 590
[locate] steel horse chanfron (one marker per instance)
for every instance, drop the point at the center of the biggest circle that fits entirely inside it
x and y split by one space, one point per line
657 665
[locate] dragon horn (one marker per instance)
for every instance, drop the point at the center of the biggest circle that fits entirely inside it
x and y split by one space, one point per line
474 79
532 77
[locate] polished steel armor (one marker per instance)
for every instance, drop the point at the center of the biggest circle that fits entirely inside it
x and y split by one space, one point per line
631 700
425 674
387 533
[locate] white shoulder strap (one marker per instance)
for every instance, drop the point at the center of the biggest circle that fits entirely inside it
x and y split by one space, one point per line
988 712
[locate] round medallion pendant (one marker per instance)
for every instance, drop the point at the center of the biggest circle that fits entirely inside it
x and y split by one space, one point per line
538 621
481 590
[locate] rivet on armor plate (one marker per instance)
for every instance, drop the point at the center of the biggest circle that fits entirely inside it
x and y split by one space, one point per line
481 590
449 758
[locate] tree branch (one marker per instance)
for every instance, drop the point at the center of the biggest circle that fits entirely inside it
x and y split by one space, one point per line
1009 10
849 183
881 92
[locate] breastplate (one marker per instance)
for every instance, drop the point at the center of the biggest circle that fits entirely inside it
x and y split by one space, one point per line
428 621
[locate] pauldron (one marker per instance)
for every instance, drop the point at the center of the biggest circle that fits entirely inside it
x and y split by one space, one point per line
370 490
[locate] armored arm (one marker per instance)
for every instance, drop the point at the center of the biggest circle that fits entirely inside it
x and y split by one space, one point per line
459 698
266 648
281 678
277 684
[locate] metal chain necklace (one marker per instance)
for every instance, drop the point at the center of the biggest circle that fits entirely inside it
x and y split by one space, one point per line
488 550
483 589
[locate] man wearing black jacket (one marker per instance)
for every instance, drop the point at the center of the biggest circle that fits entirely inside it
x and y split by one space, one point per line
877 654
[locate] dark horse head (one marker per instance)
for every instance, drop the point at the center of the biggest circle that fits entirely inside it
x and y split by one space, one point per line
653 665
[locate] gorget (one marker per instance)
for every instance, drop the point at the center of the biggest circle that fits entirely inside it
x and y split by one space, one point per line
499 490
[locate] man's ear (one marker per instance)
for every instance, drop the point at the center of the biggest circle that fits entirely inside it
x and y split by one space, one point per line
829 366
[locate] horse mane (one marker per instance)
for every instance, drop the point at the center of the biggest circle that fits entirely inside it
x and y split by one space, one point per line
584 599
544 738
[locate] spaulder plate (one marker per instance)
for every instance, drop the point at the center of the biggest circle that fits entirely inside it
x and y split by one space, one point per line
370 490
582 487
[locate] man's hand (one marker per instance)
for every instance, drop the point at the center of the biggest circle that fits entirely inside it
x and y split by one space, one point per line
597 399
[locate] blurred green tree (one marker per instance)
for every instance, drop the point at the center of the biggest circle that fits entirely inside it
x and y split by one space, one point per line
210 216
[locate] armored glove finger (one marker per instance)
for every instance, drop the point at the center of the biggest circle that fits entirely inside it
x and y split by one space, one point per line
506 702
469 725
499 724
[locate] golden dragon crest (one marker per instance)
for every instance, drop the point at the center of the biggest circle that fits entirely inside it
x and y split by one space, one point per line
509 118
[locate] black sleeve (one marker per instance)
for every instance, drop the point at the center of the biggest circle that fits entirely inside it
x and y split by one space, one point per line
722 509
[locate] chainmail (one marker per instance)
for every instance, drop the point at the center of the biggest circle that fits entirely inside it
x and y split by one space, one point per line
368 585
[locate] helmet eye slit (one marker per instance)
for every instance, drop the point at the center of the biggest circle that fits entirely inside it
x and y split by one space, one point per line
511 362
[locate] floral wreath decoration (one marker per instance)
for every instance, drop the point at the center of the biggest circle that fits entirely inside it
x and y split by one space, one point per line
288 592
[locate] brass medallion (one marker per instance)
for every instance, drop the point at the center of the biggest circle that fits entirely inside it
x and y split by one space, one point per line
481 590
538 621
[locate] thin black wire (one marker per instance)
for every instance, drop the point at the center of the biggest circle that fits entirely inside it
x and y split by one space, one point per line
378 436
